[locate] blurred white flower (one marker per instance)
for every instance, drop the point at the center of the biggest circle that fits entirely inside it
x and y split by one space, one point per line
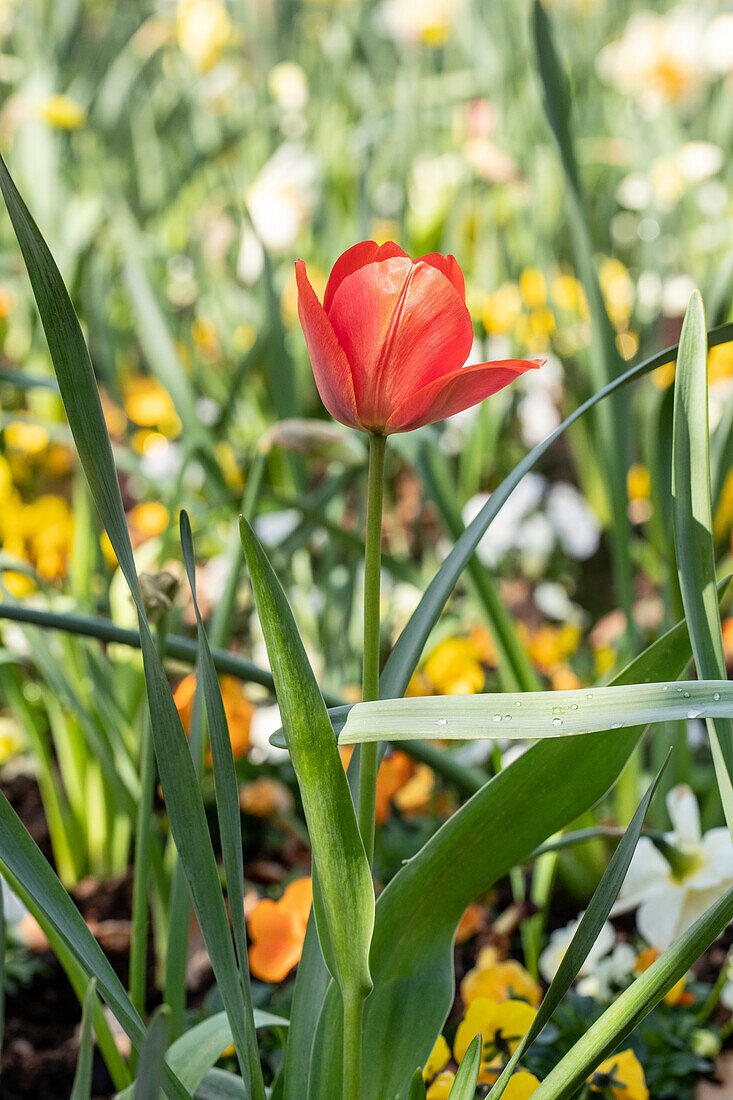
428 22
719 43
670 900
576 526
535 542
610 974
676 293
659 58
204 28
265 721
538 416
288 86
553 601
503 533
283 196
251 256
272 528
559 942
13 907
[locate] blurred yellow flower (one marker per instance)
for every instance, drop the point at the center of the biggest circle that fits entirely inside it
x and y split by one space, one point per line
438 1059
720 363
427 22
620 1077
501 1025
204 29
568 294
149 519
7 302
521 1086
12 742
453 668
533 287
638 482
265 797
441 1086
30 439
604 658
618 292
149 405
549 645
502 309
500 981
62 112
206 340
723 519
659 57
288 85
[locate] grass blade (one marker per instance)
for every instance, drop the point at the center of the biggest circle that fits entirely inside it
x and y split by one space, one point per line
693 530
586 934
82 1089
152 1059
464 1086
80 395
227 802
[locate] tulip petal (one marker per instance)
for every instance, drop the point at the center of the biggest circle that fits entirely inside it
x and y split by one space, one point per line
330 366
401 325
359 255
449 267
454 392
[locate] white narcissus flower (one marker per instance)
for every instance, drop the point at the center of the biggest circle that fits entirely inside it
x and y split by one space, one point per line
670 900
610 974
554 953
282 198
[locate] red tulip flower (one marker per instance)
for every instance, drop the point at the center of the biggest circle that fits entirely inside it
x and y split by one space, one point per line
389 344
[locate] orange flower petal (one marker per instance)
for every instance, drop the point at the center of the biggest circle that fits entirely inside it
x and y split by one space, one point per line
271 960
401 325
454 392
330 365
298 898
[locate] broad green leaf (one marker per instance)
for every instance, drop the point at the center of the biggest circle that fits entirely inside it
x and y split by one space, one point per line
604 1036
419 910
152 1059
345 883
536 714
693 530
184 803
220 1085
464 1086
311 984
193 1055
82 1088
586 934
227 802
404 658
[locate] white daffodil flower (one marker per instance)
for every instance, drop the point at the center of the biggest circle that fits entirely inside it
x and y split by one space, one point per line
554 953
672 893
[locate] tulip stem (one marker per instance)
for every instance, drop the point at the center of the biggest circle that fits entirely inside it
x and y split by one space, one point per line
370 674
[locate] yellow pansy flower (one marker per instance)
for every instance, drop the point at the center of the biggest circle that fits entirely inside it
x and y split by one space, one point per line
502 1027
441 1086
453 668
521 1086
438 1059
501 981
620 1077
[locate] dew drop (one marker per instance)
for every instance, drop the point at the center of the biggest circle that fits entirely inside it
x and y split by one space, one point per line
574 706
666 687
616 726
556 710
716 697
442 721
556 721
507 717
687 695
693 713
497 718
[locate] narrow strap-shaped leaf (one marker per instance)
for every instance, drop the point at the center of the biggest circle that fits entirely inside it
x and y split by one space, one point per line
417 1086
586 933
345 882
184 803
693 529
193 1055
405 655
464 1086
636 1002
227 803
152 1059
82 1088
534 715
